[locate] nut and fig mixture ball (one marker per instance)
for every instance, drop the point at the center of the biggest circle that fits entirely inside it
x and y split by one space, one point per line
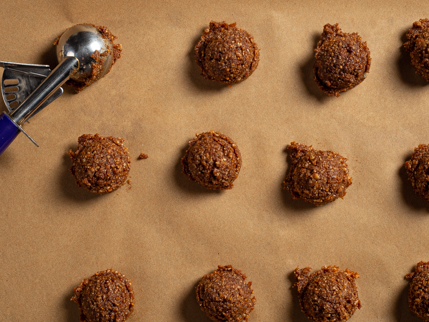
342 60
100 164
106 297
328 294
213 160
224 295
417 45
226 54
418 295
418 170
315 176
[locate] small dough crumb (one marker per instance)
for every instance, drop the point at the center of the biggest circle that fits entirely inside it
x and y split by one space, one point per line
143 156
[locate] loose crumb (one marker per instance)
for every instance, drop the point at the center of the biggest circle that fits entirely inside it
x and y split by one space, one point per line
143 156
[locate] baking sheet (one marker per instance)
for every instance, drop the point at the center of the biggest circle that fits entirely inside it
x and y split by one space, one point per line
164 232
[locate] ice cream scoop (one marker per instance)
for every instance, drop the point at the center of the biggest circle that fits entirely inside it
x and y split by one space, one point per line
93 49
83 53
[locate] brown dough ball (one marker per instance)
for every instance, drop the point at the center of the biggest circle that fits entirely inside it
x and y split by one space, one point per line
100 164
328 294
417 45
315 176
418 295
418 170
225 296
226 54
213 160
342 60
106 297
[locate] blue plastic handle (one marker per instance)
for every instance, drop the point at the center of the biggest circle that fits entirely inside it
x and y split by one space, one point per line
8 132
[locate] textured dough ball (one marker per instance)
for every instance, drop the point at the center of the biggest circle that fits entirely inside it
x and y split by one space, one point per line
328 294
418 295
342 60
225 296
213 160
418 170
100 164
106 297
317 177
417 45
226 54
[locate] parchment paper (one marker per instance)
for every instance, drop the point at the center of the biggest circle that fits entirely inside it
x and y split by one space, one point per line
165 232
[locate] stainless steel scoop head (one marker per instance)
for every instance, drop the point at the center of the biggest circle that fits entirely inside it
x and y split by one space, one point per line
82 41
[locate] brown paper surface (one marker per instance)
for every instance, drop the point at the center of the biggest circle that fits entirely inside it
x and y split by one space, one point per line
166 231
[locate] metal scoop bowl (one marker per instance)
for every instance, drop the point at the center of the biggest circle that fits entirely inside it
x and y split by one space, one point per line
85 42
82 54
